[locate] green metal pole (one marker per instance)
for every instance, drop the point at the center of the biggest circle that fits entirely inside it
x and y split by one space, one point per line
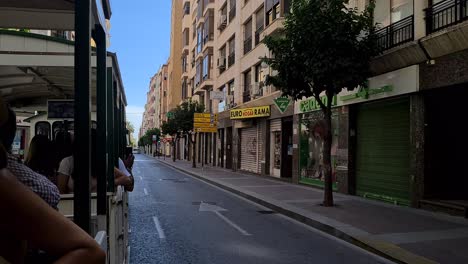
82 199
102 173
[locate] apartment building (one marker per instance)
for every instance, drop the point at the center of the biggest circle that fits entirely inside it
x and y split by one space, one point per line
174 93
221 51
418 86
397 140
254 135
162 104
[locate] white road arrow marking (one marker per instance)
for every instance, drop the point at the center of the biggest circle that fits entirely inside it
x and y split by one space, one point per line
205 207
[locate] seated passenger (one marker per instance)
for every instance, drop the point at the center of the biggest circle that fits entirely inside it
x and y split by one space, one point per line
40 157
66 172
35 181
30 221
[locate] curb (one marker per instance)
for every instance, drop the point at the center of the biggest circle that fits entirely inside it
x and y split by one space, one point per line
383 249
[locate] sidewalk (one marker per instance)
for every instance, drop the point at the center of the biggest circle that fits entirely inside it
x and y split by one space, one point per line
402 234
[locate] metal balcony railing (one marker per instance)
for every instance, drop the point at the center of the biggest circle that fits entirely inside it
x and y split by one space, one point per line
257 35
445 14
231 59
247 45
396 34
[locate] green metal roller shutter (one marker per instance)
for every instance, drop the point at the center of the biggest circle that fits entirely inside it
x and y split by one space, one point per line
383 151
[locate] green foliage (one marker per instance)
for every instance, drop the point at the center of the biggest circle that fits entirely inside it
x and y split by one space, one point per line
182 122
325 47
147 138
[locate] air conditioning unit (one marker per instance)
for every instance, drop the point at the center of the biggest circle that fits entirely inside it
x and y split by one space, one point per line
230 101
222 62
255 90
222 22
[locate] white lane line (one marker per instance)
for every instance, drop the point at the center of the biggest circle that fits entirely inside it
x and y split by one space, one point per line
229 222
159 228
146 191
128 255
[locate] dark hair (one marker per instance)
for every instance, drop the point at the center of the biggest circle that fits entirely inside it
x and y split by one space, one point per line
8 130
63 145
40 158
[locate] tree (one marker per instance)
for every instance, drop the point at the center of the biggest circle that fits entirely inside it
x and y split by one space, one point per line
325 47
181 124
147 138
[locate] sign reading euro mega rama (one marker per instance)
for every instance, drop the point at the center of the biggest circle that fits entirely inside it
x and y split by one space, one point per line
252 112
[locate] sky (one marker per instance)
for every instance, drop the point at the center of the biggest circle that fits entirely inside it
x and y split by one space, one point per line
140 35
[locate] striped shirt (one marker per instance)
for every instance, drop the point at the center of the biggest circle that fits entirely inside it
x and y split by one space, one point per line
38 183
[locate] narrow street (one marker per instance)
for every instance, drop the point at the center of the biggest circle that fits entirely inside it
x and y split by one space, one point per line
175 218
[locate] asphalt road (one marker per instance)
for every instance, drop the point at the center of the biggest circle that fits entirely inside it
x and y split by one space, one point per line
175 218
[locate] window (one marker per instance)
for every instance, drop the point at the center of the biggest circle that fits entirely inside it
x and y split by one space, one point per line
222 104
43 128
247 86
259 20
208 27
199 39
232 52
185 37
232 10
259 79
400 9
187 8
222 59
230 92
194 30
248 36
206 67
273 10
198 74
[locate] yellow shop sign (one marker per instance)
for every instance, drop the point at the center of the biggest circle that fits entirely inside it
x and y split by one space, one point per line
252 112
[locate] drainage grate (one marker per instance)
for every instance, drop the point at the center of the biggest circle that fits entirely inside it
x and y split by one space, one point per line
267 212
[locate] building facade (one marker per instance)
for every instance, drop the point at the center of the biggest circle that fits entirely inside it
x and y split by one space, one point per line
387 139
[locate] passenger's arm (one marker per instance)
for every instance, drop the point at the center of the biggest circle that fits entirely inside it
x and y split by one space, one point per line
123 180
62 183
28 217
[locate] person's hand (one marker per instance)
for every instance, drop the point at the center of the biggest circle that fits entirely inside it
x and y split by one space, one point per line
129 161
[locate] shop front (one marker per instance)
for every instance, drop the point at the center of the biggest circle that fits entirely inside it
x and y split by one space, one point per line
250 123
371 138
312 130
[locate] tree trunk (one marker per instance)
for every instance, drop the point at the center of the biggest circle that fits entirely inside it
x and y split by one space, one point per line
194 151
328 188
174 149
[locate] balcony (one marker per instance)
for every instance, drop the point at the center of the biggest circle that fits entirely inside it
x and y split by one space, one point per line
274 27
445 14
247 45
232 13
396 34
257 35
231 59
